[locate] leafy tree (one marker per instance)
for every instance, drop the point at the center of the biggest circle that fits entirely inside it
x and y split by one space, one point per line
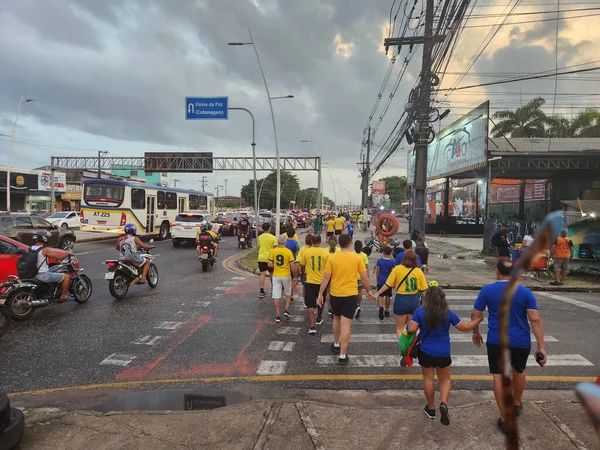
528 121
586 124
396 188
289 186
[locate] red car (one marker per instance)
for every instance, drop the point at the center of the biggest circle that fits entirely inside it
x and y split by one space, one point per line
10 250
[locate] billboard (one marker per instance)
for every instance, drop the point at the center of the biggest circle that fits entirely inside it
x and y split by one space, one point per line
378 192
45 185
460 147
507 191
200 162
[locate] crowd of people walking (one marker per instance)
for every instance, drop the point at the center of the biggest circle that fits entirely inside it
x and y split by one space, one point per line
337 275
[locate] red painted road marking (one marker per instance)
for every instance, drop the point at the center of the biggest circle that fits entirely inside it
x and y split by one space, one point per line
189 327
242 364
244 287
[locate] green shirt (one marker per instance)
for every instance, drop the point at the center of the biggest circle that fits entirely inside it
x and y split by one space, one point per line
317 223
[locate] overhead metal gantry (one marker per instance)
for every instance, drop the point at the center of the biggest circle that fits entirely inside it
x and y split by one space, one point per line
183 163
186 163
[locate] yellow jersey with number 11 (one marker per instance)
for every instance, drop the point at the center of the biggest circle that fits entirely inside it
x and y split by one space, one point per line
314 260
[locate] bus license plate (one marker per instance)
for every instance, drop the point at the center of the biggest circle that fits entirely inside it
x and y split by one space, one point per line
109 275
204 256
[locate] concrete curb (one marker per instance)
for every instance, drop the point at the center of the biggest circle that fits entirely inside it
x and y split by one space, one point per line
96 239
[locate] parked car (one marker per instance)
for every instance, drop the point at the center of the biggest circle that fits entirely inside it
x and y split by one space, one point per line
66 219
21 228
185 227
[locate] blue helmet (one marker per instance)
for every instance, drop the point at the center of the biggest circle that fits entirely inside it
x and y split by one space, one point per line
130 229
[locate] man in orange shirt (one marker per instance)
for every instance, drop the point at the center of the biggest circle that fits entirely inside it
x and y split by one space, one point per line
562 251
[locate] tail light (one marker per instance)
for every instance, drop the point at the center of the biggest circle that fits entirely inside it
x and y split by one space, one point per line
123 219
204 248
111 264
81 217
175 224
4 289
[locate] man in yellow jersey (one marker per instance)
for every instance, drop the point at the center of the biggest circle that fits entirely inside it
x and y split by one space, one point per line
312 263
265 242
341 270
330 225
340 225
284 265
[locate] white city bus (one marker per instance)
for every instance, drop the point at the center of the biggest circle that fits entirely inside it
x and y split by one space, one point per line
108 205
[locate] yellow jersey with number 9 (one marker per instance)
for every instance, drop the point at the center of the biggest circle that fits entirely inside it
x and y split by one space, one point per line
282 258
413 283
314 260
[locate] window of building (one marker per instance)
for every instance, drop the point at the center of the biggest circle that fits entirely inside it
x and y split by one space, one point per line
134 173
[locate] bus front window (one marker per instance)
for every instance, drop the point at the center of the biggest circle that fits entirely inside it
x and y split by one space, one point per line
98 193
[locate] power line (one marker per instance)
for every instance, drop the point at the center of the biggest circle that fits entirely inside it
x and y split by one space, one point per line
583 16
513 80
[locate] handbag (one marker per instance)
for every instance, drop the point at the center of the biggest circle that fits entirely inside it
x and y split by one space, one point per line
414 350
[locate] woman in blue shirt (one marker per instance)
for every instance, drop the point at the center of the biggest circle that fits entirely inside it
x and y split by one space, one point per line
433 319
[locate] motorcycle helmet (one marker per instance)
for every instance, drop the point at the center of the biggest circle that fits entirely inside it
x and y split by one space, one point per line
209 227
203 229
41 236
130 229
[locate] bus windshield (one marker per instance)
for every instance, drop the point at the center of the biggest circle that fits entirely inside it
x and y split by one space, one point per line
104 193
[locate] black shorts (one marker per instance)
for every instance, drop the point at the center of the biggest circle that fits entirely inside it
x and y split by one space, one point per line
263 267
311 294
329 233
338 232
518 358
344 306
428 361
387 293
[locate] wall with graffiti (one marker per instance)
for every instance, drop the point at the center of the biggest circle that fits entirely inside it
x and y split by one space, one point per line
586 232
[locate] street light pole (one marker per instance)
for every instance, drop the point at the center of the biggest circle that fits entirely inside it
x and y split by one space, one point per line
278 193
253 156
10 147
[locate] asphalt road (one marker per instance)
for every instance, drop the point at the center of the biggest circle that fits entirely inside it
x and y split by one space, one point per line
212 327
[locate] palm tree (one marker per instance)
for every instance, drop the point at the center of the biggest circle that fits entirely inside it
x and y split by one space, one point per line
528 121
586 124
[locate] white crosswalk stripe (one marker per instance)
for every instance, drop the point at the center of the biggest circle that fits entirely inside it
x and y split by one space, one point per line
271 368
457 360
458 338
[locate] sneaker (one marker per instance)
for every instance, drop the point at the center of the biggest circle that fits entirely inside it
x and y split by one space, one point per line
312 330
277 319
519 410
287 314
429 412
330 313
500 425
343 361
380 313
387 314
445 419
319 321
357 312
262 294
555 283
334 349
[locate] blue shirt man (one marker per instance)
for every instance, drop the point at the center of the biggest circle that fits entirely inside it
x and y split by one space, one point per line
293 246
407 244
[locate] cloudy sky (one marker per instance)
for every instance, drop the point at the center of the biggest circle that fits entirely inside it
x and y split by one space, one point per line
112 75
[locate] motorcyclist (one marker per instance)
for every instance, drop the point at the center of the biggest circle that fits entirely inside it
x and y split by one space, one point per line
40 240
207 237
129 245
244 227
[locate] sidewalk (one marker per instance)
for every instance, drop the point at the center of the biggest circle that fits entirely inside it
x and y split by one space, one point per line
319 419
457 263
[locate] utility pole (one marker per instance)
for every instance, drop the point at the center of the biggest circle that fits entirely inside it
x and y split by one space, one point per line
204 181
423 111
225 187
218 189
365 174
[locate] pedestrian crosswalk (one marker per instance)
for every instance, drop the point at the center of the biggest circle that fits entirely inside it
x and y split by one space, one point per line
374 344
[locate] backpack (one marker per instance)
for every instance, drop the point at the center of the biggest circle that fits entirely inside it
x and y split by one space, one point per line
27 264
422 252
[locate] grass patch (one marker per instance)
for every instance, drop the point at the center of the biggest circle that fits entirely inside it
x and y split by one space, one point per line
251 259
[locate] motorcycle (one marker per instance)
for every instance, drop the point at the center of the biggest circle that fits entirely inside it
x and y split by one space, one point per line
22 296
243 240
122 274
207 257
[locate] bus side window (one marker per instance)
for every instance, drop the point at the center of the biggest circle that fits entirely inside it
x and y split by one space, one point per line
171 200
194 202
161 200
138 199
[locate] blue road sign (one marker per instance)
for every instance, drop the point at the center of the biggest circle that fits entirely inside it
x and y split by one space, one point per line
202 108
